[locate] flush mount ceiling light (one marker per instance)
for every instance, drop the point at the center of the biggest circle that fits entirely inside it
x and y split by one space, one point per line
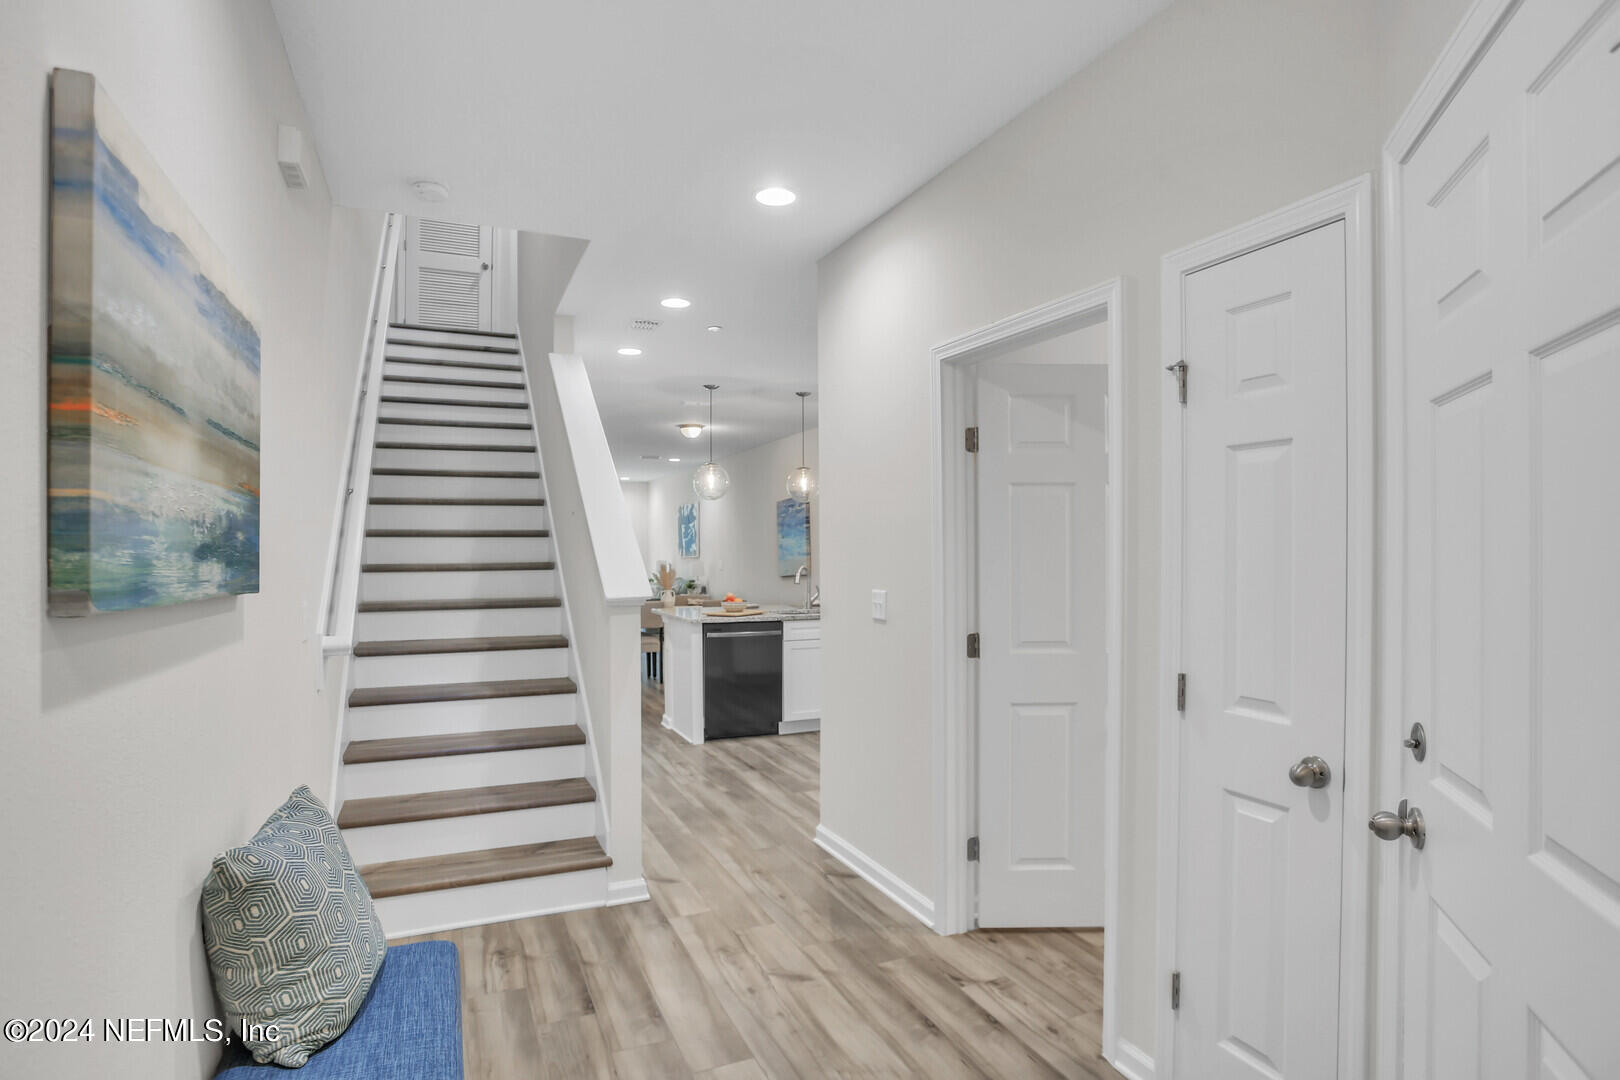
801 482
430 191
710 481
624 478
691 431
715 329
675 461
676 302
629 350
775 196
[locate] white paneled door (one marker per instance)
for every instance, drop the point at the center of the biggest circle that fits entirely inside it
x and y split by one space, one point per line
1263 645
445 274
1509 262
1042 482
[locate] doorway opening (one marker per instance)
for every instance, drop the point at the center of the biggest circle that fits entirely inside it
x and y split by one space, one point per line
1029 548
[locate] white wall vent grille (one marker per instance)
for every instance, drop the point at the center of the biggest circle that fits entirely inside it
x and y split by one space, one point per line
644 326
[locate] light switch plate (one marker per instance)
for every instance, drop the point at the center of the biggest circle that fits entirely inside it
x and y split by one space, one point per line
880 605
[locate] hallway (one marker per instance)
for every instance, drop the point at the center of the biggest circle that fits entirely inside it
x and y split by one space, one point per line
760 955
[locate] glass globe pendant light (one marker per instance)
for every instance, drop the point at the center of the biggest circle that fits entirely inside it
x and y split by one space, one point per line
710 481
801 482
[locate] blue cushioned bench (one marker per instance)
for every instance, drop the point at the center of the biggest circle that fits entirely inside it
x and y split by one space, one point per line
408 1028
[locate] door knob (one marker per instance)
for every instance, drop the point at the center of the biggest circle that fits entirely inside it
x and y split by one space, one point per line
1407 821
1311 772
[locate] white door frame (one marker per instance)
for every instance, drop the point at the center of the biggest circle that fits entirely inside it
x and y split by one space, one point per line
955 561
1351 203
1457 60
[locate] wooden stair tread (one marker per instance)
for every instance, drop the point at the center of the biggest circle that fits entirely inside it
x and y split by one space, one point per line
365 751
503 425
408 500
505 534
480 365
463 802
401 399
464 868
451 567
435 380
501 643
466 691
488 474
373 607
450 330
482 448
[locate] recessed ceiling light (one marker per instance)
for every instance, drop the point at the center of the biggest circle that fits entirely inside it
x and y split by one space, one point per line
775 196
676 302
691 431
675 461
715 329
624 478
629 350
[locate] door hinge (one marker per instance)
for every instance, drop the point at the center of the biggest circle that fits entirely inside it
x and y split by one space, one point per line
1175 990
1179 370
1181 692
973 849
970 439
973 646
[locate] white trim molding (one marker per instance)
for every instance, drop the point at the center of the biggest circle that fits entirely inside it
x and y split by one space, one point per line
627 892
876 875
955 561
1131 1061
1350 203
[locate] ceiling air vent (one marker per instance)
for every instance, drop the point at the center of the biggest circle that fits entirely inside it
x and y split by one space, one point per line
651 457
644 326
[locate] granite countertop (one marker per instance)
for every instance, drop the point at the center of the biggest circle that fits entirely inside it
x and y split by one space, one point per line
694 614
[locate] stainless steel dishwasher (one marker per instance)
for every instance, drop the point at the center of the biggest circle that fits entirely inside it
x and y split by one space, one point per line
742 680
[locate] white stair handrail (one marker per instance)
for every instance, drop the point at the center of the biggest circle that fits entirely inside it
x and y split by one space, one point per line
340 587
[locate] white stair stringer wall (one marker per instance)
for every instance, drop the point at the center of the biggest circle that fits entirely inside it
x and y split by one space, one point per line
427 910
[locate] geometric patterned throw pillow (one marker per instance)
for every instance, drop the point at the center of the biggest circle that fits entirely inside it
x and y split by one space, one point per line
293 940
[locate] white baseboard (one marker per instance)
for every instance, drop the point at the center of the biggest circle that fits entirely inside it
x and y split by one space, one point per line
671 725
876 875
1132 1062
798 727
627 892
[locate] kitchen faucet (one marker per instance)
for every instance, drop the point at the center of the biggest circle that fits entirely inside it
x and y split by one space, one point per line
804 572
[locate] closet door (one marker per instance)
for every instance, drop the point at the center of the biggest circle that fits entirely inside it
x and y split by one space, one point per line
447 274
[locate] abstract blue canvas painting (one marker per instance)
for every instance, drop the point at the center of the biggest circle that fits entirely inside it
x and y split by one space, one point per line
686 530
154 380
792 536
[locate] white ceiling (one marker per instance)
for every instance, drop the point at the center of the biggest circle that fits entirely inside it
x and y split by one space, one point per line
645 127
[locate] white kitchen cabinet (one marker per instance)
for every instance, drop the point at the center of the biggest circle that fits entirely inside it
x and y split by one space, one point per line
801 677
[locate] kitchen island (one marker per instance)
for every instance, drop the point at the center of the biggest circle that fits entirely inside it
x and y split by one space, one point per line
729 676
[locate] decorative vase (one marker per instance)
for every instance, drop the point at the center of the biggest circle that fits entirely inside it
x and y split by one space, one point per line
668 598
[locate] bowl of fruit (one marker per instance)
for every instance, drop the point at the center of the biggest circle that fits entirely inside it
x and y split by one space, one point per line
733 604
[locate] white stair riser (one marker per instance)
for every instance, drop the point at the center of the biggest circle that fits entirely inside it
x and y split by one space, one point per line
453 717
438 433
452 370
444 412
471 832
455 487
458 549
462 771
461 622
420 342
447 909
456 393
430 668
457 517
384 458
457 584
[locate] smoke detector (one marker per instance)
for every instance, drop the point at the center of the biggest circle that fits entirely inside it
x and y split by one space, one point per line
430 191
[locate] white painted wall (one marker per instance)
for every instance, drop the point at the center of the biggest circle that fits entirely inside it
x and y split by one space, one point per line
637 493
136 746
1211 114
736 534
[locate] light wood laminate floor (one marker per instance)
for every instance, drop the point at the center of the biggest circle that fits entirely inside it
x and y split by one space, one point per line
762 956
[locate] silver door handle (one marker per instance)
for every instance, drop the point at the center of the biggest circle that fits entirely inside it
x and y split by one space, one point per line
1311 772
1407 821
746 633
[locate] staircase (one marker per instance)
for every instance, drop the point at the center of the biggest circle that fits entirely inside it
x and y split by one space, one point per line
465 783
